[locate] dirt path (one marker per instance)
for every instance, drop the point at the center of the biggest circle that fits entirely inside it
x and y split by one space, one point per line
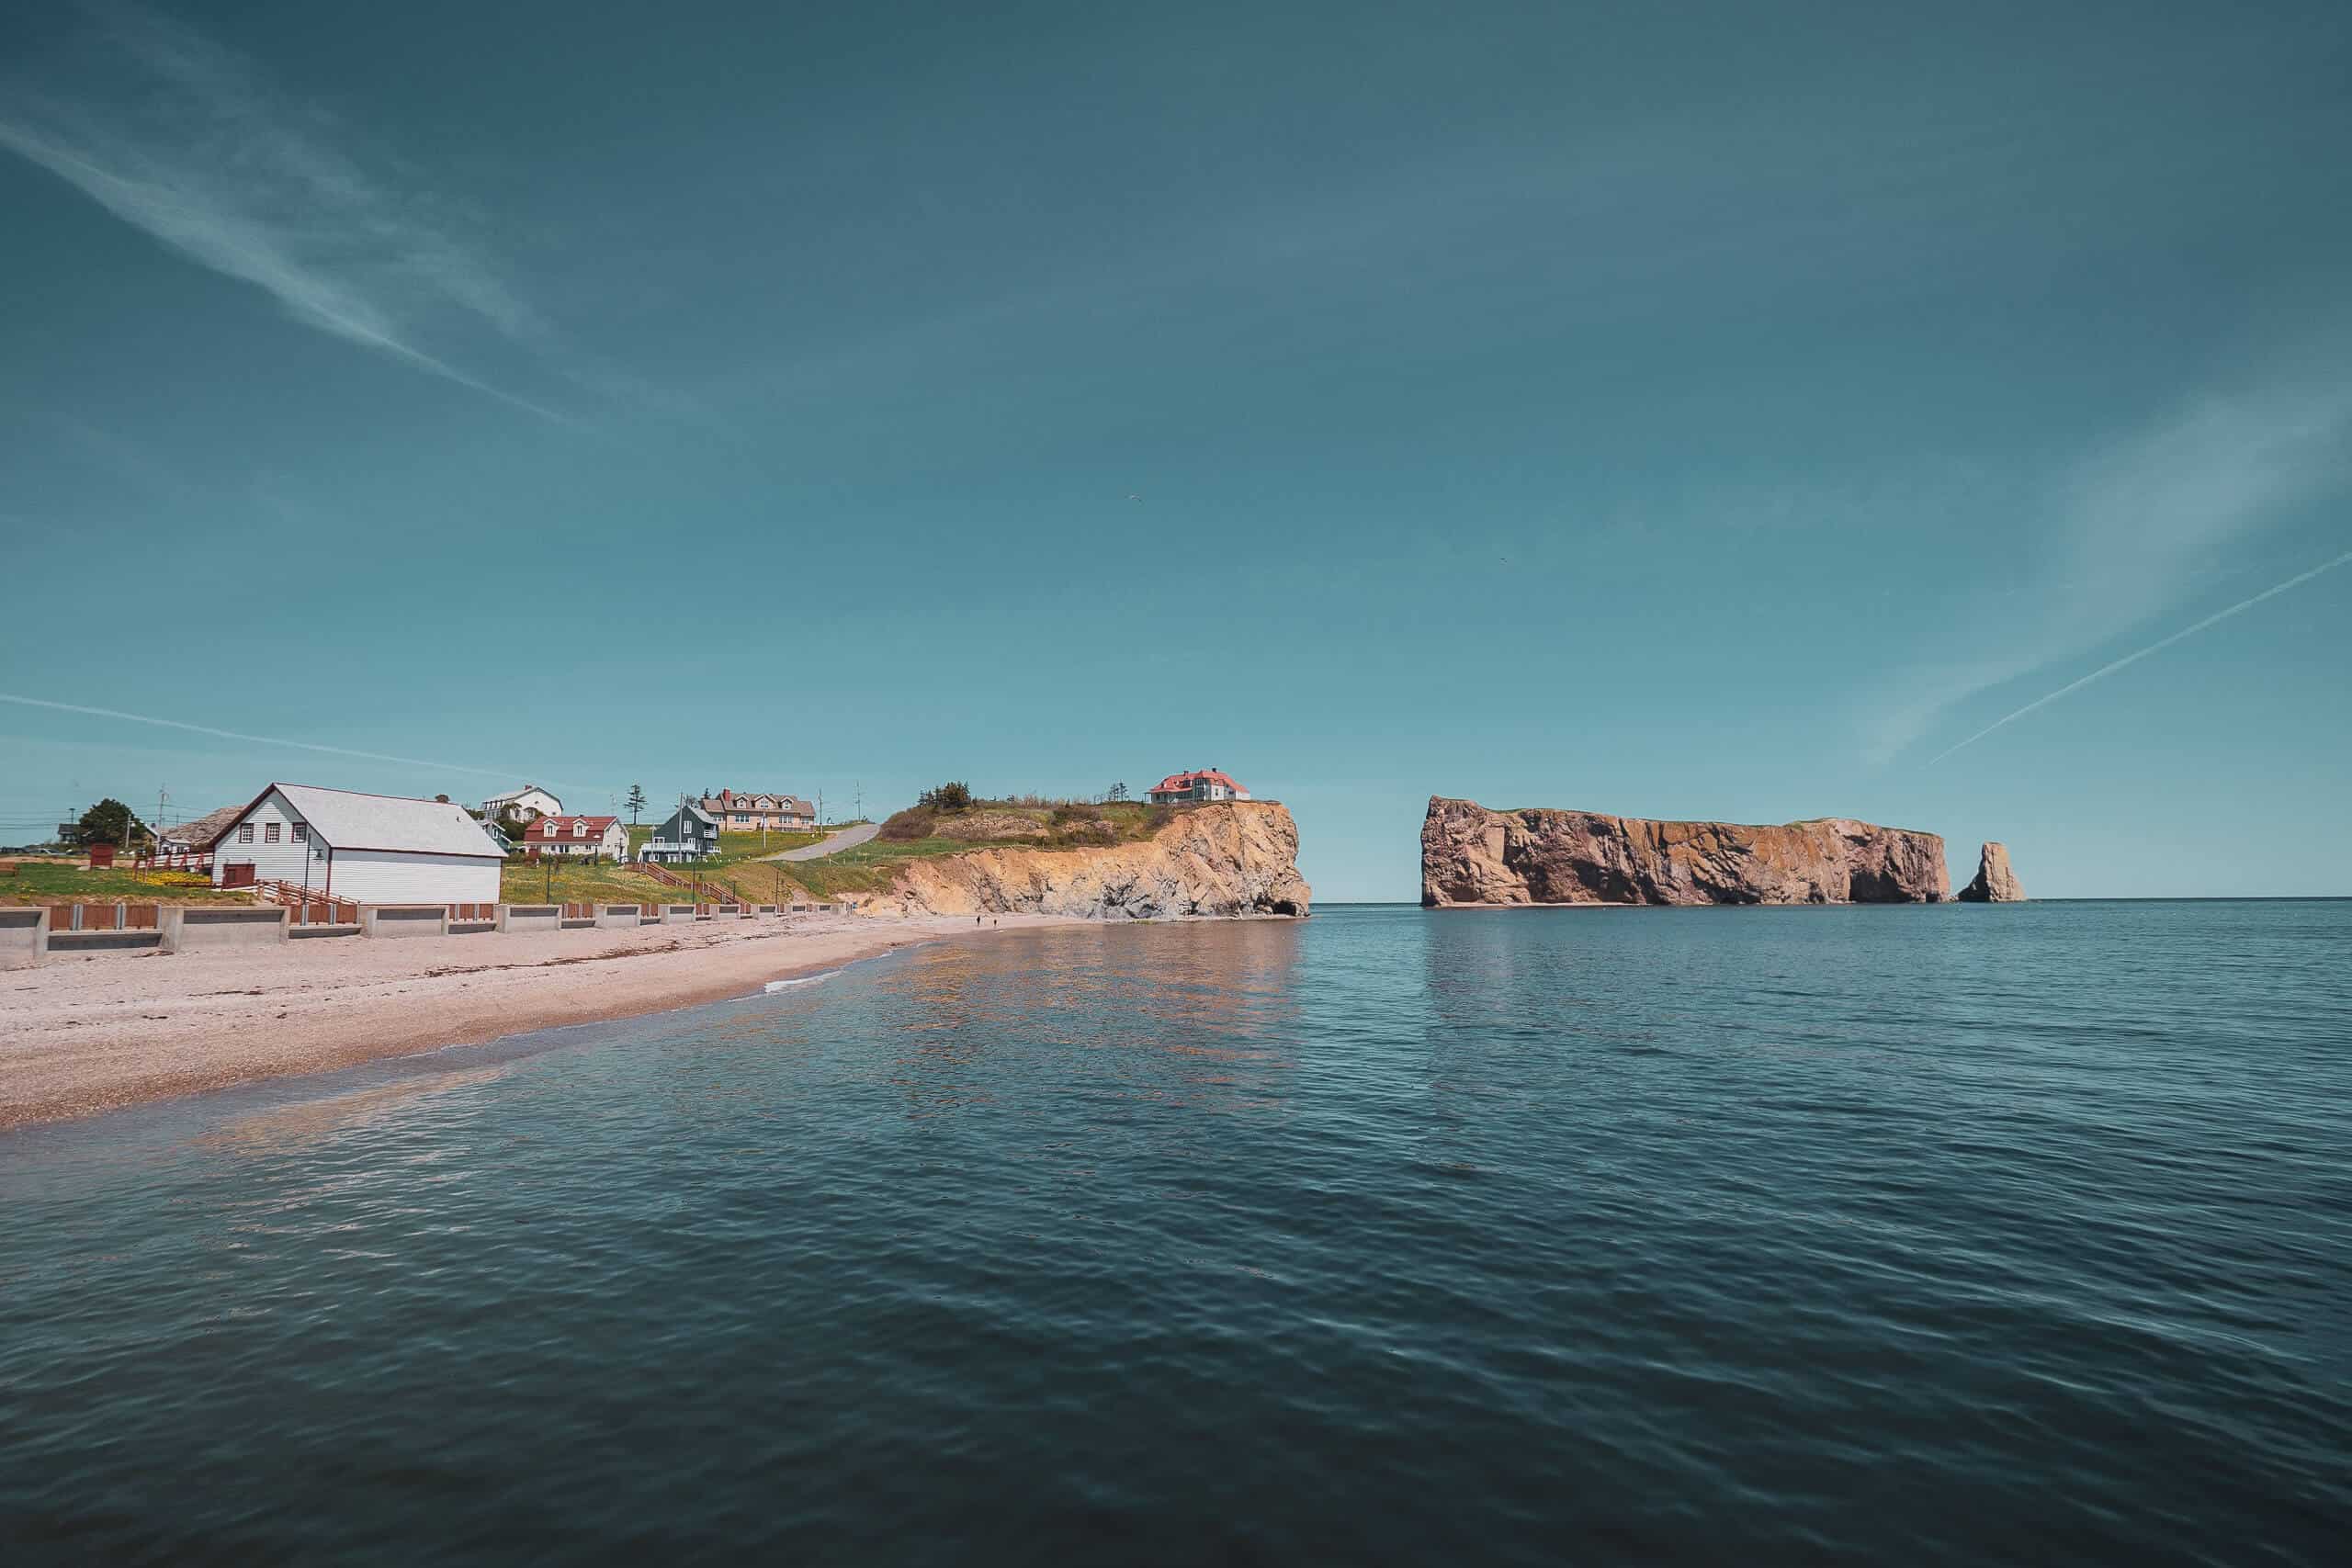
847 839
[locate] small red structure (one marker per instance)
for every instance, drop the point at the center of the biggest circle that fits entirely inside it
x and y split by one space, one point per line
101 856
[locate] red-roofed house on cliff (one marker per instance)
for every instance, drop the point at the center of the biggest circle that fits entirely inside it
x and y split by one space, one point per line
1201 784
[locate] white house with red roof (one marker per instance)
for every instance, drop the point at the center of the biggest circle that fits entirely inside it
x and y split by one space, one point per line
1201 784
583 836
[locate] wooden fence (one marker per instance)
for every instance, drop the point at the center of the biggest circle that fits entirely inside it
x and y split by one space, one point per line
311 906
104 917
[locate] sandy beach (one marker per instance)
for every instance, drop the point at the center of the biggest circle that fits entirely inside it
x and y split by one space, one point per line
79 1036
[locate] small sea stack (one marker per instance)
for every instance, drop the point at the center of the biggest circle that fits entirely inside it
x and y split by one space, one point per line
1996 883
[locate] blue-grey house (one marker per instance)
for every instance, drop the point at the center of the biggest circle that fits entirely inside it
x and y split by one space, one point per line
689 833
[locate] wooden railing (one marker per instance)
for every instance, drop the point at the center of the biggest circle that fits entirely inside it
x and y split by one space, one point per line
311 906
175 860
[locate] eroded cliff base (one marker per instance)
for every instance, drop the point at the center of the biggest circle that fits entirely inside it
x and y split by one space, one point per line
1233 858
1472 856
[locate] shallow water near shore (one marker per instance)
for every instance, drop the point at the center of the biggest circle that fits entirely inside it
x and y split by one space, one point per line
1920 1234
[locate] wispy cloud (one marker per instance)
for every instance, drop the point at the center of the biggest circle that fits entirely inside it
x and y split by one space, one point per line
2135 529
189 142
90 712
2106 670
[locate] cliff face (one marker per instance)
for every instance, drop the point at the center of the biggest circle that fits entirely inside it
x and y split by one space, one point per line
1996 883
1471 856
1233 858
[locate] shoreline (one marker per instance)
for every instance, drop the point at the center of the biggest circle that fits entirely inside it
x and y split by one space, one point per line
80 1039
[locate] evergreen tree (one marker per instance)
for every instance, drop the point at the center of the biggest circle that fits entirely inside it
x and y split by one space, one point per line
636 803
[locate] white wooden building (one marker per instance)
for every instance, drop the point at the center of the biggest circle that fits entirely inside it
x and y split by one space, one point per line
583 837
370 849
520 805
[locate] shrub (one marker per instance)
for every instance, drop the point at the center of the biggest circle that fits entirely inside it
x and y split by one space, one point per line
914 822
1077 811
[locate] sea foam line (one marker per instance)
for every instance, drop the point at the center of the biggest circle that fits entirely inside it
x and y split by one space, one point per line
774 986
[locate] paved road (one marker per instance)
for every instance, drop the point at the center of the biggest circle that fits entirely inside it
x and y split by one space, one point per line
847 839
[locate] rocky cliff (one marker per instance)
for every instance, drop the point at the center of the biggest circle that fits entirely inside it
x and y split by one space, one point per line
1996 883
1471 856
1233 858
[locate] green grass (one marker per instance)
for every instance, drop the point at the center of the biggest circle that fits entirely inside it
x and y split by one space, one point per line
562 882
872 866
736 847
53 883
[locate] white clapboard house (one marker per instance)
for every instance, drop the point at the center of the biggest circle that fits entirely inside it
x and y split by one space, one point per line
369 849
582 836
520 806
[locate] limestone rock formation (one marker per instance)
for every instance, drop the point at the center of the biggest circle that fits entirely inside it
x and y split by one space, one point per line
1996 883
1471 856
1233 858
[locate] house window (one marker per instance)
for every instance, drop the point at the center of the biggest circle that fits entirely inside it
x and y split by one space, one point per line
245 832
269 833
302 832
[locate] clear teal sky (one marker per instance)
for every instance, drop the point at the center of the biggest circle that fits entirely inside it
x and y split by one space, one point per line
1660 408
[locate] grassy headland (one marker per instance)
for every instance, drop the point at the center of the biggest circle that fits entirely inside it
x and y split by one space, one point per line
1025 822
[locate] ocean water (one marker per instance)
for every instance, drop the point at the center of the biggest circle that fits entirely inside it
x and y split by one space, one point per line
1872 1235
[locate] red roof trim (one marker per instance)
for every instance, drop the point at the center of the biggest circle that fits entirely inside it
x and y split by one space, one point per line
1175 781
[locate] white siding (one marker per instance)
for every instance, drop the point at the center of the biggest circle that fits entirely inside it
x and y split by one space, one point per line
391 876
283 861
535 798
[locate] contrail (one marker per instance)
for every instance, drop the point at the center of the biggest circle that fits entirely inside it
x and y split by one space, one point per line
509 773
2106 670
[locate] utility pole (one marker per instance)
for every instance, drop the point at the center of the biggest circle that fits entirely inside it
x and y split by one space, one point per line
861 799
161 796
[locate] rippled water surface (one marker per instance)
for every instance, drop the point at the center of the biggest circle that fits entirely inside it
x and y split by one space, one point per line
1954 1235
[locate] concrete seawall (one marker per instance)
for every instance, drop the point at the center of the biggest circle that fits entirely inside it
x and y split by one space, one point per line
197 928
403 920
24 936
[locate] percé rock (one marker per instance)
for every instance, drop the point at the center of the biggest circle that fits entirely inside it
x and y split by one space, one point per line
1232 858
1471 855
1996 883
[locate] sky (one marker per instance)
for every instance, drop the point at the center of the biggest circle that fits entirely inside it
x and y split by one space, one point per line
1938 416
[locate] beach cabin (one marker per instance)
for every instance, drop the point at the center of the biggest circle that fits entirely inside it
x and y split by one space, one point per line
1201 784
689 833
370 849
585 837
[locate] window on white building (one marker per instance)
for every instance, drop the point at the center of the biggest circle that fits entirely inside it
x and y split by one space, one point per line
269 833
245 832
302 832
